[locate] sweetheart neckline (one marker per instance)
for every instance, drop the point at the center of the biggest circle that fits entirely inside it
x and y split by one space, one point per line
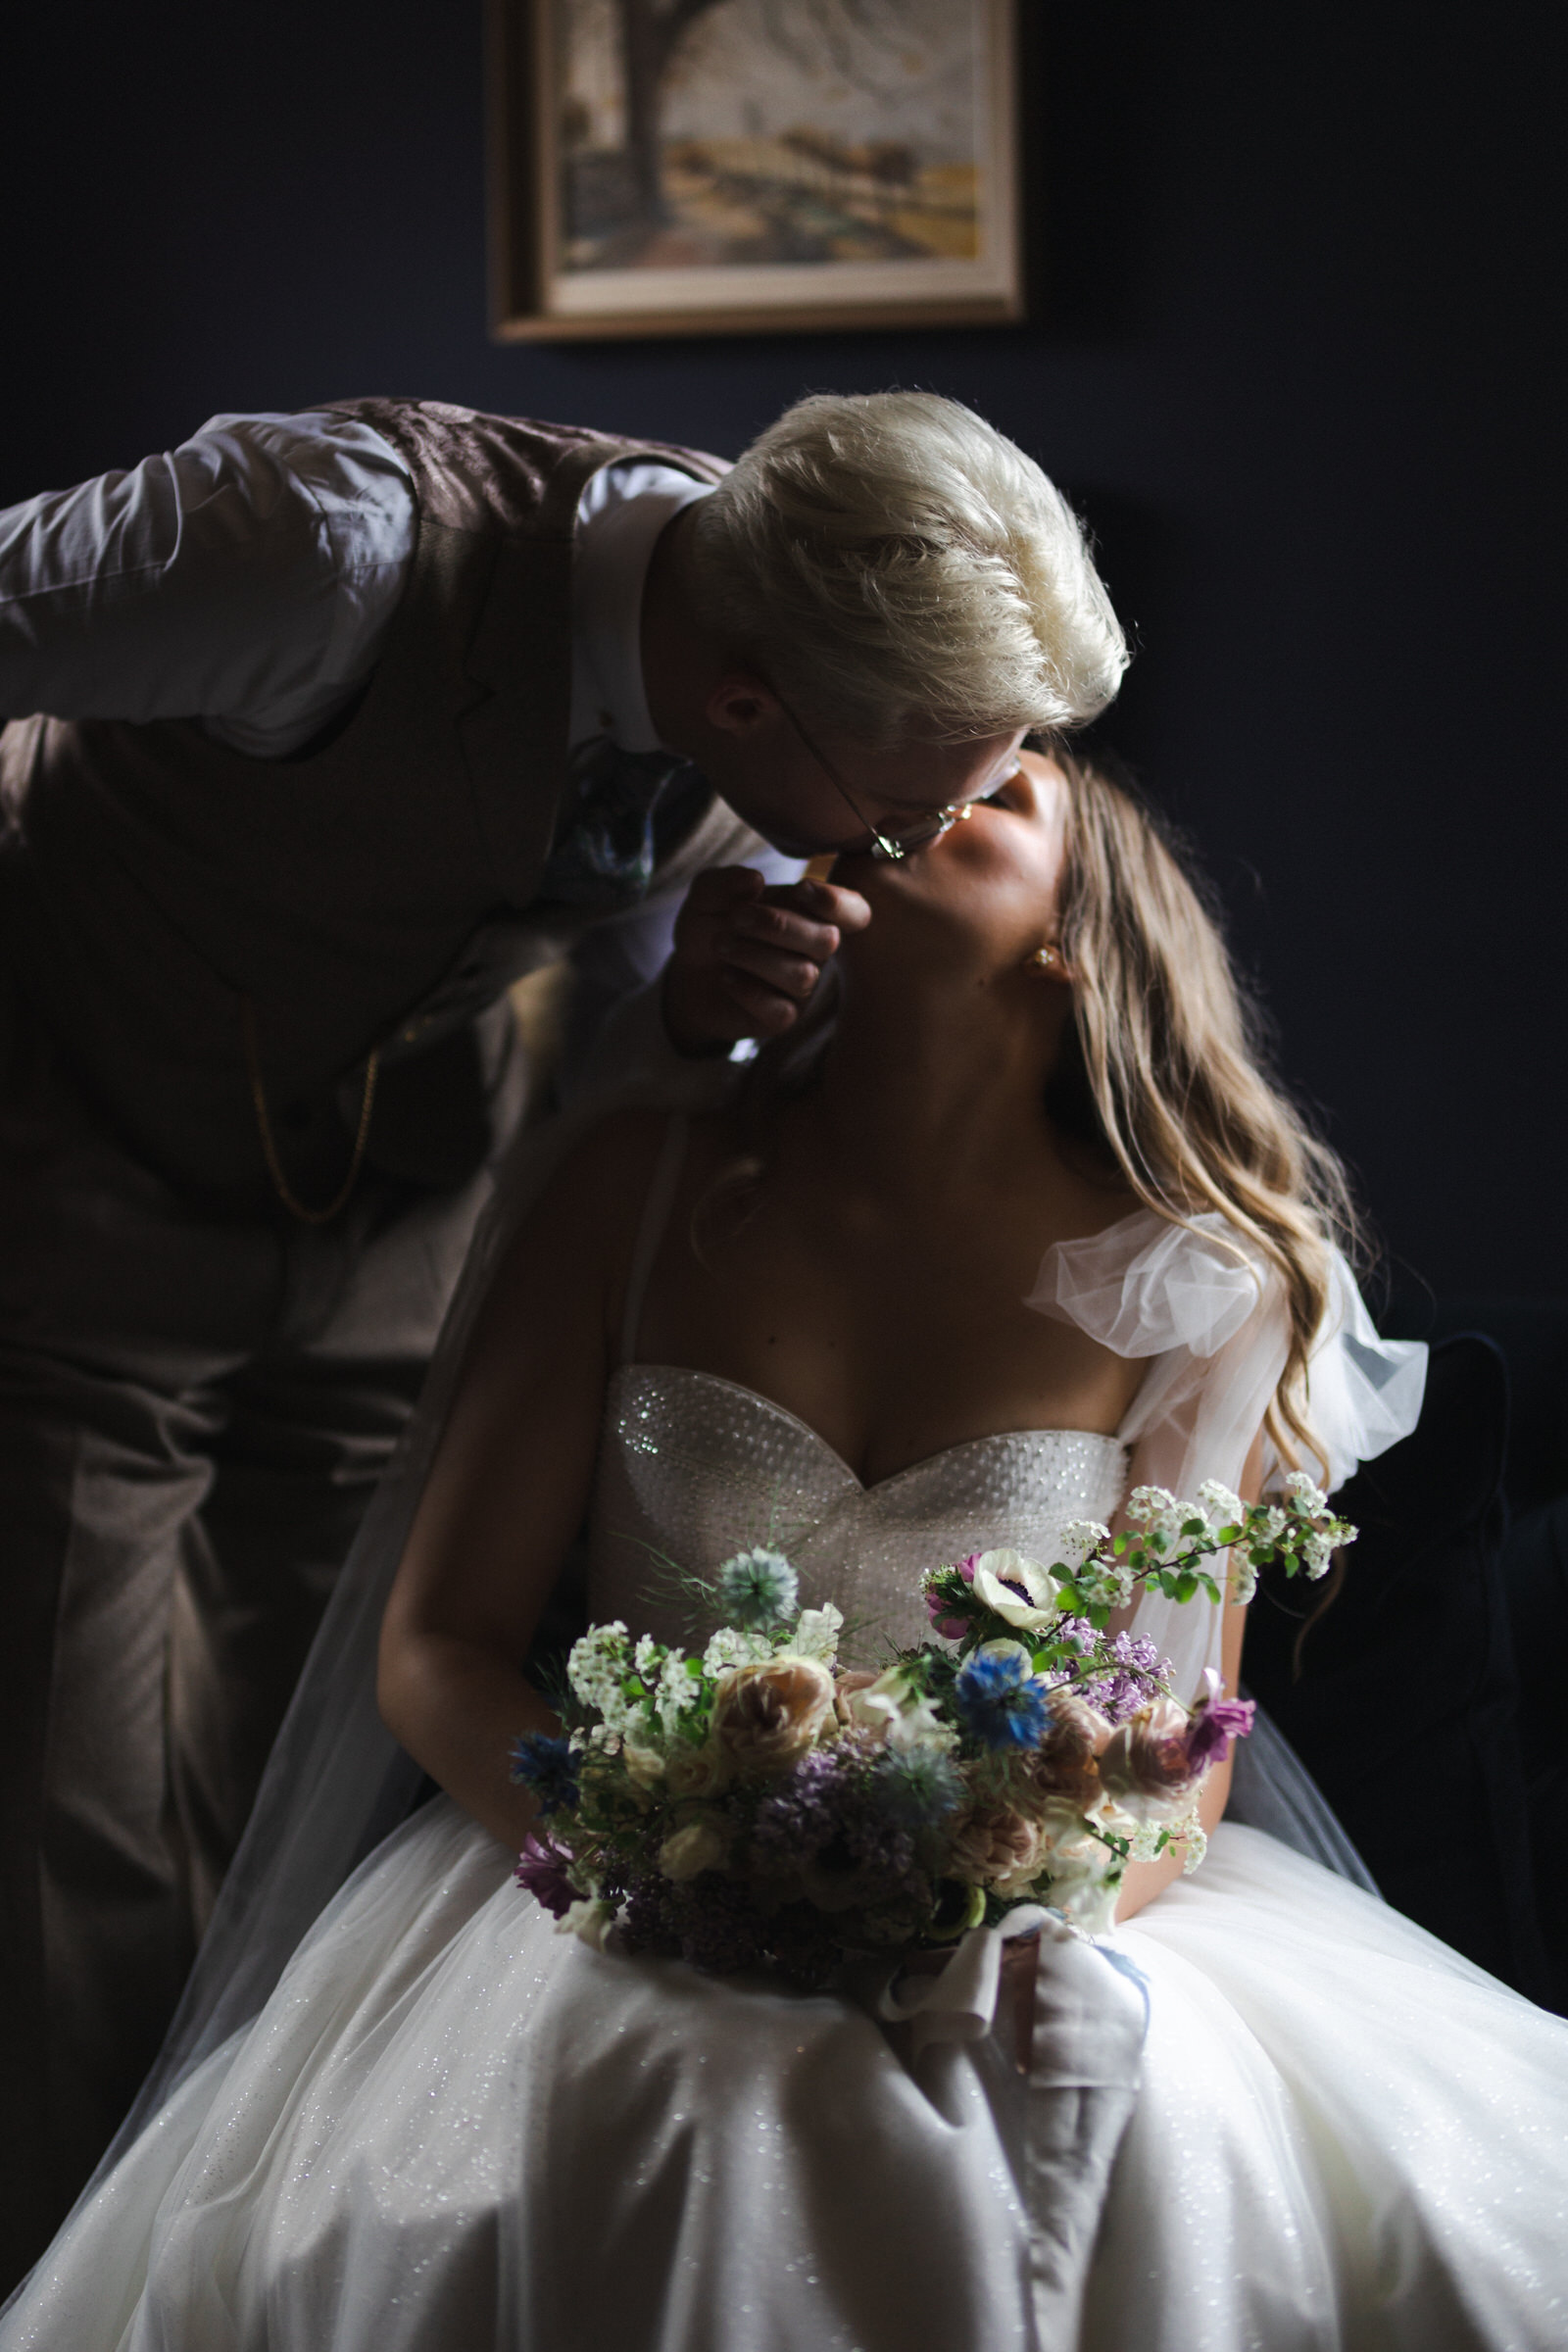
738 1388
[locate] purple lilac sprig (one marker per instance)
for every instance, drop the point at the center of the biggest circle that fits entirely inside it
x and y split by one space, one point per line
1135 1673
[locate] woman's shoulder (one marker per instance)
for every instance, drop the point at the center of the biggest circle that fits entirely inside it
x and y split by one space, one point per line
1142 1282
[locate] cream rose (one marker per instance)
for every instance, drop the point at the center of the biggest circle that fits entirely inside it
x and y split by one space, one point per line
1063 1767
998 1846
1147 1755
697 1845
767 1716
645 1764
695 1770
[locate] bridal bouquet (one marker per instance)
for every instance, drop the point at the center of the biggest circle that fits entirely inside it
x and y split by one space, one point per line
753 1803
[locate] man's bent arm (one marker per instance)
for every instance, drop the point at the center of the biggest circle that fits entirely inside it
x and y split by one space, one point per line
246 578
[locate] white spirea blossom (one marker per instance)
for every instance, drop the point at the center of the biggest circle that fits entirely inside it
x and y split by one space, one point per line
1078 1538
678 1690
1219 1506
1270 1528
1318 1552
731 1647
1162 1515
1306 1498
595 1669
1243 1579
1144 1841
1106 1584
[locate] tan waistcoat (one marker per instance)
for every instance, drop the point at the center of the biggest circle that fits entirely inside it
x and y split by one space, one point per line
379 892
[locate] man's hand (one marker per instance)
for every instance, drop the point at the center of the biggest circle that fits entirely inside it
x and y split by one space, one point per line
748 956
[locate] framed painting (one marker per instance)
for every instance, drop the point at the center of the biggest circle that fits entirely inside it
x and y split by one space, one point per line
722 167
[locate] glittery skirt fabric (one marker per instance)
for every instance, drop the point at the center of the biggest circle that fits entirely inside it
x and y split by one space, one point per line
453 2129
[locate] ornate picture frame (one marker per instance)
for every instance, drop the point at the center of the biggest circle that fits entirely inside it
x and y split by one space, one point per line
750 167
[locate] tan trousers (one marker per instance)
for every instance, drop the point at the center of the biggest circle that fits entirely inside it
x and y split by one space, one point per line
193 1412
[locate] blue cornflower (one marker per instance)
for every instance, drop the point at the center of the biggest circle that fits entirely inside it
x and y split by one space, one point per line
1000 1702
548 1767
758 1588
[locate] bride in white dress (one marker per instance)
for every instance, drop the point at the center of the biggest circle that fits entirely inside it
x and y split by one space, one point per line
1032 1225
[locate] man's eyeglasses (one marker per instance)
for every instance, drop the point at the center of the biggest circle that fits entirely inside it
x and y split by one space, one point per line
888 846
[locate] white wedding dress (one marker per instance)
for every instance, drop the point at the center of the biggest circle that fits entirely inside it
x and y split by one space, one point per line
454 2129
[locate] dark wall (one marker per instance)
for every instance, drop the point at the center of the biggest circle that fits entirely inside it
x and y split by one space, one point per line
1292 351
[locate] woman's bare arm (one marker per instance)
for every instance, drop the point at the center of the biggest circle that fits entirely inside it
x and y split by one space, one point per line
509 1484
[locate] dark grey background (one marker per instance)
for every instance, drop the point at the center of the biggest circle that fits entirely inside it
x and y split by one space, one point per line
1293 349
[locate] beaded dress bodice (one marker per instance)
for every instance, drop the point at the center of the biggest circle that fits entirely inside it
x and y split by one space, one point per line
693 1467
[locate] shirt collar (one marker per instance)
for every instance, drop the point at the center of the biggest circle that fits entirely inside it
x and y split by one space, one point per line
614 549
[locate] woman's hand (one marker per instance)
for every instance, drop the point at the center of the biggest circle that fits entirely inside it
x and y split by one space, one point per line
748 955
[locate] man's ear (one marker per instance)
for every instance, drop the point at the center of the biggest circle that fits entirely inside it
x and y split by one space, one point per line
741 704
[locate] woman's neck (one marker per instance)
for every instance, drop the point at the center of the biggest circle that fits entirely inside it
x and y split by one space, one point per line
941 1088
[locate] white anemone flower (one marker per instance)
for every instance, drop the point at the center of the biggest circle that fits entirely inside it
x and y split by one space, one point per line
996 1572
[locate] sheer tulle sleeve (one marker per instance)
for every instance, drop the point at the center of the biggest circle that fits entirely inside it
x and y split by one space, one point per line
1203 1305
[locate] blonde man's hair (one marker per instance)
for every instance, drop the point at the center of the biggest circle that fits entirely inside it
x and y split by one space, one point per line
899 568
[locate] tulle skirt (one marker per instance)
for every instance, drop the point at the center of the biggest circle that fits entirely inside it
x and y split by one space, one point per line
453 2129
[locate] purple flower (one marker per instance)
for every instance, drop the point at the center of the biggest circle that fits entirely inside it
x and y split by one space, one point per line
1138 1655
1217 1722
1137 1678
1077 1632
967 1566
542 1870
951 1629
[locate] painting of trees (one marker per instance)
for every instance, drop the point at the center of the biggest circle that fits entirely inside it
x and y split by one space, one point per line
704 144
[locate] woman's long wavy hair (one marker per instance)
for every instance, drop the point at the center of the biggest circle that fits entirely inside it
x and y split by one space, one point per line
1164 1077
1166 1069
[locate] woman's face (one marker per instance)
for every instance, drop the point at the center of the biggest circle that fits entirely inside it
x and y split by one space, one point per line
981 899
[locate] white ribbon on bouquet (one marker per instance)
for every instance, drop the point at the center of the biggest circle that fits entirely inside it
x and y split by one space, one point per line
1090 2015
